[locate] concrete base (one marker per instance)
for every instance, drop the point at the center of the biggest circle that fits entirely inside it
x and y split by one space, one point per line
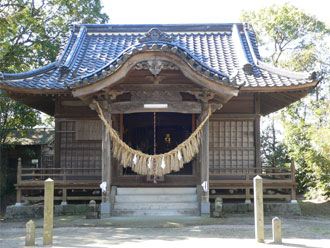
205 209
18 204
105 208
64 203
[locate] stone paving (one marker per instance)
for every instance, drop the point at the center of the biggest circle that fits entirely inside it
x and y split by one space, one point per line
231 231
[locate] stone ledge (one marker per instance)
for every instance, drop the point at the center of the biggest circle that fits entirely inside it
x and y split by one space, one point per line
37 211
274 208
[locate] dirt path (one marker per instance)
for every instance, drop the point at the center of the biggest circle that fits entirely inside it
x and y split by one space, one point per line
234 231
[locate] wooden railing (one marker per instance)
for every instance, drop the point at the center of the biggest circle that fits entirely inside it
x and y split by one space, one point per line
30 179
276 179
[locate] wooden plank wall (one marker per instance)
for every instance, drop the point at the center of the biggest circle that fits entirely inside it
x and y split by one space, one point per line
231 145
233 137
78 153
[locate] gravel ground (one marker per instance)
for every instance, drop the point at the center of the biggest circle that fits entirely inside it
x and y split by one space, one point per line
232 231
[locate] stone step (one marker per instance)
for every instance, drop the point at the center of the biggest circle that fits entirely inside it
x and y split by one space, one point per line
153 212
156 198
155 205
154 191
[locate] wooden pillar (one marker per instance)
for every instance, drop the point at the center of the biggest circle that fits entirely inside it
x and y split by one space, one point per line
106 164
205 203
258 209
257 130
19 178
247 189
57 158
64 191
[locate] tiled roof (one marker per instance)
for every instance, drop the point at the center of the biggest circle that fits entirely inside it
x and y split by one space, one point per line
225 53
38 136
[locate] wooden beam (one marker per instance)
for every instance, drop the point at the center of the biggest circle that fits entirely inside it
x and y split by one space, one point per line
142 86
138 107
78 103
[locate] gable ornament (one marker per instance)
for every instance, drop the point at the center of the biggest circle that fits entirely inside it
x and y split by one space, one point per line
155 34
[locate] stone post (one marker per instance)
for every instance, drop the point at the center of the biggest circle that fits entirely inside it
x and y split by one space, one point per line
218 208
30 233
48 211
277 230
258 209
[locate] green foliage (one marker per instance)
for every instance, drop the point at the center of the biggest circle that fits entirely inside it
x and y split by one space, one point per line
287 28
31 35
31 32
14 115
300 42
273 152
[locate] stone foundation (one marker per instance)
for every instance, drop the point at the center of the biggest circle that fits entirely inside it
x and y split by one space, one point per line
37 211
274 208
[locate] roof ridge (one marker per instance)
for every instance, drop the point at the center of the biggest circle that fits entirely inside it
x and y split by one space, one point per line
74 50
242 57
163 27
284 72
270 68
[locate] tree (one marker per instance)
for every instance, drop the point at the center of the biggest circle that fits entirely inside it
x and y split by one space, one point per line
300 42
31 35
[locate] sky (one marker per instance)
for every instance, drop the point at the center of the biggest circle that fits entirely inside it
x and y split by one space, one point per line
204 11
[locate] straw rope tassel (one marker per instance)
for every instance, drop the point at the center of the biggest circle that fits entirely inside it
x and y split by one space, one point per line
173 159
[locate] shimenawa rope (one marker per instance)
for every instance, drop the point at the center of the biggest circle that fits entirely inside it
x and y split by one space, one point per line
165 163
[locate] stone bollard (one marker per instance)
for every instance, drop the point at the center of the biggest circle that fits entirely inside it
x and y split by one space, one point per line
277 230
48 211
258 209
92 211
218 213
30 235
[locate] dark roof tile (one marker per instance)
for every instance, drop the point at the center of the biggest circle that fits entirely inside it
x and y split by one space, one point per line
93 48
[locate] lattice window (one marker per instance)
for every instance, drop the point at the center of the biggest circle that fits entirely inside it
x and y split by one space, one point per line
231 144
78 153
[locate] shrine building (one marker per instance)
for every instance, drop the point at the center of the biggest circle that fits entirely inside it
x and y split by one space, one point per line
157 119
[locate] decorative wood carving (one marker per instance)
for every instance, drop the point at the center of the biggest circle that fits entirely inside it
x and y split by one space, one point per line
155 34
204 96
155 66
144 65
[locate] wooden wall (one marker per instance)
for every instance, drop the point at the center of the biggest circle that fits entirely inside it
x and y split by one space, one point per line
232 144
78 153
78 139
233 136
